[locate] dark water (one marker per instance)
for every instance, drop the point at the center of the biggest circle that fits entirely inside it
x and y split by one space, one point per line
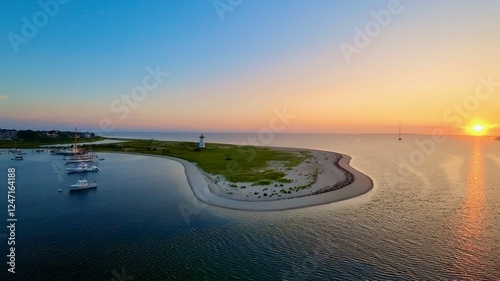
437 218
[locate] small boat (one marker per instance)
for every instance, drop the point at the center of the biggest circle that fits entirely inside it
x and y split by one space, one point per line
14 150
17 158
399 138
2 152
82 184
83 168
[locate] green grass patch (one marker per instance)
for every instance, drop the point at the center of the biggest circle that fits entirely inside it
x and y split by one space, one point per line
235 163
261 182
284 180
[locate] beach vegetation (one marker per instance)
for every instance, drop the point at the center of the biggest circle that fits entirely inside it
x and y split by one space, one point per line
261 182
234 163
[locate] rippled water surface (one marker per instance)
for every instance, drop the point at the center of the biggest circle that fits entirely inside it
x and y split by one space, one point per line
434 214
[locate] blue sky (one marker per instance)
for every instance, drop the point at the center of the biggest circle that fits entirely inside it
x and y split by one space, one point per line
92 52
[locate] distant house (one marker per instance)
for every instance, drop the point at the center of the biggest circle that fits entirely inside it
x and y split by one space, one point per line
52 134
8 134
83 135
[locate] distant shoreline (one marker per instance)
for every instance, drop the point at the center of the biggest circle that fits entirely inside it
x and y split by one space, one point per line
329 187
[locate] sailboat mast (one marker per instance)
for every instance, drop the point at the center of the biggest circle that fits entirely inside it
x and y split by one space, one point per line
75 143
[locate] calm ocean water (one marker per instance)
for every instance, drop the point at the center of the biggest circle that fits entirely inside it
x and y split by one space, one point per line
434 214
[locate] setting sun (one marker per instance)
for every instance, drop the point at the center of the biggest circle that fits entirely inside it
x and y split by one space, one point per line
478 128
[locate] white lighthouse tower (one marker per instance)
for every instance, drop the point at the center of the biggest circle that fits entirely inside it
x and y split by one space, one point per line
202 141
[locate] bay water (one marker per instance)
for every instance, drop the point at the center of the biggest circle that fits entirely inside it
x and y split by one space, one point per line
433 214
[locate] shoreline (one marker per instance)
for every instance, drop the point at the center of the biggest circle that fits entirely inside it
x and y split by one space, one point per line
328 187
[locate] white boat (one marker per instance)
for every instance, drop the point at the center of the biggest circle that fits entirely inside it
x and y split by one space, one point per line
17 157
67 151
83 168
82 184
2 152
81 160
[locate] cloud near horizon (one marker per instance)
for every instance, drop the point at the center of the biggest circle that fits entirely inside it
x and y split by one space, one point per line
2 97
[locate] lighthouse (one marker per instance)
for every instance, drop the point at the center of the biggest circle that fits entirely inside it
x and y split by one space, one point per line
202 141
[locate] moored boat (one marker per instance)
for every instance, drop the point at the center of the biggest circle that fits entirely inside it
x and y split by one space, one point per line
80 160
83 168
17 158
82 184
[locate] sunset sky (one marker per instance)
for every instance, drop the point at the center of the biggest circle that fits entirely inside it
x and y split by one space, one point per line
232 64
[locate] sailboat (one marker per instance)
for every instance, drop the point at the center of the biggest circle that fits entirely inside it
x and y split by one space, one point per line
17 153
399 132
77 156
15 149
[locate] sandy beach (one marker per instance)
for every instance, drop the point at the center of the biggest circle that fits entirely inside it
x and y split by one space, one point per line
325 177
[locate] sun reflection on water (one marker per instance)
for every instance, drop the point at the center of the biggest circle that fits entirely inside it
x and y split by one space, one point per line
471 228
